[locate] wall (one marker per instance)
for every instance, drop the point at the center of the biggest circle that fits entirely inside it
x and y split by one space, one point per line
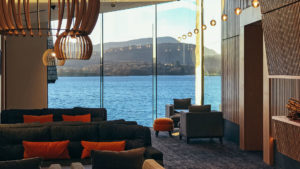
25 76
230 60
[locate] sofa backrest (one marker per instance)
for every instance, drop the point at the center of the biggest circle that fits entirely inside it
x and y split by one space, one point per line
12 135
13 116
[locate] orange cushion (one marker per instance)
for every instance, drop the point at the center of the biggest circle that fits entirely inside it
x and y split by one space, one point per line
110 146
81 118
158 127
163 121
40 119
47 150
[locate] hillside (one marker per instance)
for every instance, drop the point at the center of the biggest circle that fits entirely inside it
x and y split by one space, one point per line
135 58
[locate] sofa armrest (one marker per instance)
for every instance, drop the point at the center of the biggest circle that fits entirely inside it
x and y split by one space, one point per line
153 153
169 110
77 166
55 166
151 164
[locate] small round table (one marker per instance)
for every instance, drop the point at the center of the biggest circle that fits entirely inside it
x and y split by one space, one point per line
163 124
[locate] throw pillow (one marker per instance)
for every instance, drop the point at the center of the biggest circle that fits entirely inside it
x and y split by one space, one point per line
32 163
78 118
41 119
111 146
46 150
182 103
131 159
204 108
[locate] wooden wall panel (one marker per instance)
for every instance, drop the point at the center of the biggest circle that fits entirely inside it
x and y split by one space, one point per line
281 90
230 60
270 5
282 32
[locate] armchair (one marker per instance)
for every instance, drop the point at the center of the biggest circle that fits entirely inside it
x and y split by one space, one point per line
173 110
203 124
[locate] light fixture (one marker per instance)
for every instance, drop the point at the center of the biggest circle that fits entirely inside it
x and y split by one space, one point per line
179 38
238 11
49 59
255 3
196 31
183 36
75 48
81 15
224 17
213 22
190 34
204 27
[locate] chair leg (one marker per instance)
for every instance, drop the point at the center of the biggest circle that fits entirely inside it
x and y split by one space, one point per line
180 137
187 140
156 133
221 140
170 133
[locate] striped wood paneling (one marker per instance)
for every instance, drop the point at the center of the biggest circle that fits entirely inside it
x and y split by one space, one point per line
281 90
282 32
230 60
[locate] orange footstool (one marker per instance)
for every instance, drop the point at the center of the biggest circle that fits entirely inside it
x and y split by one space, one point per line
163 124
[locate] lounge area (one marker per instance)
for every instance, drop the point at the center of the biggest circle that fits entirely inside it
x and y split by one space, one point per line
149 84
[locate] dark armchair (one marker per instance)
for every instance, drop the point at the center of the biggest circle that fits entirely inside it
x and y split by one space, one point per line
173 110
200 122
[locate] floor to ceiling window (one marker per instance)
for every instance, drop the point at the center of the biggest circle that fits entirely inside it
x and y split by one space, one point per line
143 58
175 52
128 54
212 53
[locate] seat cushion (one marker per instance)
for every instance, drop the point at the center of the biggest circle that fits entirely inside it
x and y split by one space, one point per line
182 103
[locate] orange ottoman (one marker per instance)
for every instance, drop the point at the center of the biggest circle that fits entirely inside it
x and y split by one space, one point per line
163 124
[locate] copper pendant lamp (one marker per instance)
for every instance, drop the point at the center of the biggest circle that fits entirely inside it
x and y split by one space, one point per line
16 18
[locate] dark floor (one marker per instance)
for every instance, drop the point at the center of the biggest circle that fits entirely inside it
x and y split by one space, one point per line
205 154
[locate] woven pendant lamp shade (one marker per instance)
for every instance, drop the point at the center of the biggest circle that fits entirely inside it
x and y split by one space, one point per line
49 59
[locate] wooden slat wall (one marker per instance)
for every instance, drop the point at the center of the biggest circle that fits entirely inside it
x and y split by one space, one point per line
230 60
281 90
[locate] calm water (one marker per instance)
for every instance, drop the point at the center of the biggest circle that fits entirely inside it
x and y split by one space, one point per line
130 97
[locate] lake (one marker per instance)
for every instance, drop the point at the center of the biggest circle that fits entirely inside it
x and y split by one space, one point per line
130 97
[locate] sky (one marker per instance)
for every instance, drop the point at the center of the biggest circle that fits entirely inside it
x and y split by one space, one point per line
173 19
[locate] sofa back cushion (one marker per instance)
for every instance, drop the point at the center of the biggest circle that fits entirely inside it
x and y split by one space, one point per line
182 103
135 136
13 116
11 138
75 132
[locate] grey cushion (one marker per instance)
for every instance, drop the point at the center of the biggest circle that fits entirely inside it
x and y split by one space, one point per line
33 163
182 103
131 159
204 108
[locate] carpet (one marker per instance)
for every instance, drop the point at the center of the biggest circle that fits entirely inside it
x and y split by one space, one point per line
205 154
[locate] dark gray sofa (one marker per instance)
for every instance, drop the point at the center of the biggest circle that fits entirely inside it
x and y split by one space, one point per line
12 135
13 116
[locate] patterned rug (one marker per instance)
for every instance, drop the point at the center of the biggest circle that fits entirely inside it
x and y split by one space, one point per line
205 154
